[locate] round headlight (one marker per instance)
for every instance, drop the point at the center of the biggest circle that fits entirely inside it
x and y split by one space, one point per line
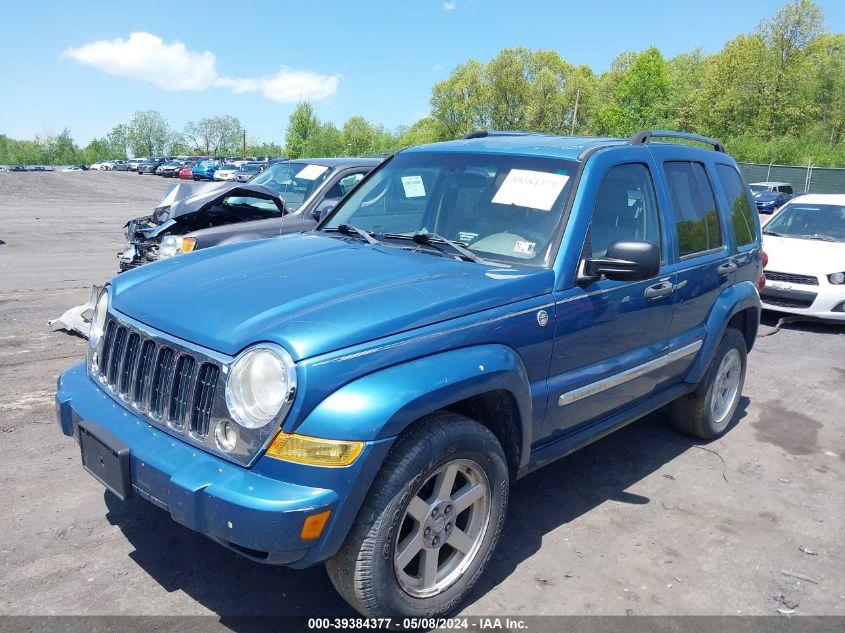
837 278
261 381
98 321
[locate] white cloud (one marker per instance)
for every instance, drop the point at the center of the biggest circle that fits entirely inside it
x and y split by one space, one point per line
146 57
450 6
287 85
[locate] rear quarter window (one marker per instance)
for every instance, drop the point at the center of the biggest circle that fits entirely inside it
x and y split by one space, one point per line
742 220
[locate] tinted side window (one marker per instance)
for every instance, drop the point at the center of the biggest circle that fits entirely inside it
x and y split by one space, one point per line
696 218
741 214
625 209
345 184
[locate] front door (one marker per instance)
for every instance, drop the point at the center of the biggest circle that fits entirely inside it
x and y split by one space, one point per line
612 335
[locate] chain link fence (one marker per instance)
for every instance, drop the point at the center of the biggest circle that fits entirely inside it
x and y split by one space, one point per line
803 179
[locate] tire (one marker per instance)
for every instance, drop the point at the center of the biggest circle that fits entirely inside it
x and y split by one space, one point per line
699 414
365 571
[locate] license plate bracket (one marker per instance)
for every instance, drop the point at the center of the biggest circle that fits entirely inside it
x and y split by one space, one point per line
106 458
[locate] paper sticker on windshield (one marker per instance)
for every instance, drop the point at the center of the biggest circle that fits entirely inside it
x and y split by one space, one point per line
534 189
311 172
524 248
414 187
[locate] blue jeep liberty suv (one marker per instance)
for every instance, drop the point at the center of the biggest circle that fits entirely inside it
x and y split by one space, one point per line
362 394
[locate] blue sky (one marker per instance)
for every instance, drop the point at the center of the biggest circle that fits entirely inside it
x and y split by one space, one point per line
77 64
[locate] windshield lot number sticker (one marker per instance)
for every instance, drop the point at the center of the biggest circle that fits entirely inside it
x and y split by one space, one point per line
414 187
534 189
311 172
524 248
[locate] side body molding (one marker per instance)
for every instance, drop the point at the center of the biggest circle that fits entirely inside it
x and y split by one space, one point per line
735 298
382 404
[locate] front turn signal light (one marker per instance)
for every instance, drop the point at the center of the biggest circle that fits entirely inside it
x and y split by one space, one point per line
313 526
188 244
314 451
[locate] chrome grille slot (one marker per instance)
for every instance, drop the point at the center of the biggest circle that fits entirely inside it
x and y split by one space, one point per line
130 357
159 383
203 399
179 393
145 363
116 356
108 343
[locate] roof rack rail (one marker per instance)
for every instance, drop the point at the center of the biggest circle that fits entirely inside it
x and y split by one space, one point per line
485 133
641 138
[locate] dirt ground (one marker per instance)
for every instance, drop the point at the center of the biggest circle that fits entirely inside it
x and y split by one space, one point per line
642 522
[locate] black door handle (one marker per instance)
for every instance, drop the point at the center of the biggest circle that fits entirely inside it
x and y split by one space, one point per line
726 269
663 289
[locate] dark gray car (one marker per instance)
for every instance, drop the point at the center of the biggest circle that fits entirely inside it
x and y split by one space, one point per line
248 171
287 197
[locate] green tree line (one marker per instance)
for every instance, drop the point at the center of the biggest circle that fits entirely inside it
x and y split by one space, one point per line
773 95
776 94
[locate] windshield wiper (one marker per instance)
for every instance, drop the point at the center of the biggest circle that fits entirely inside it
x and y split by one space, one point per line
824 238
348 229
773 233
433 239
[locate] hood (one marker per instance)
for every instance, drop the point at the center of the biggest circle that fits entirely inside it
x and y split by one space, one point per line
184 198
312 293
803 256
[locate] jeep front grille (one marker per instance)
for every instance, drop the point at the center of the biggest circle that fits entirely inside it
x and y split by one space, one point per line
167 384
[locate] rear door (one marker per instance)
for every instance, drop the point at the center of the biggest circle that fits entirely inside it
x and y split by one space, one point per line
611 336
704 262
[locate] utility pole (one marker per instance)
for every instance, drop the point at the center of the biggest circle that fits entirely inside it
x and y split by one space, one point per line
244 154
575 111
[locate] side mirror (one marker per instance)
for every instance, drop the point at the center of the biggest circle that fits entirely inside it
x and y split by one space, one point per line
324 209
625 261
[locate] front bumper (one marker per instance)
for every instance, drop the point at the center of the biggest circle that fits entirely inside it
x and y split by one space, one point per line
257 515
825 301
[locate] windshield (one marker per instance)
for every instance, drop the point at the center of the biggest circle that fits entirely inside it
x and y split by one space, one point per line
809 221
250 168
293 181
503 207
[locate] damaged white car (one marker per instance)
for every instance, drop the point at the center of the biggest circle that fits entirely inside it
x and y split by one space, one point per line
188 208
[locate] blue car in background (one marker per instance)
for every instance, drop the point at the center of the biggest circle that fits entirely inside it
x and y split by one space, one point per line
205 170
770 201
364 393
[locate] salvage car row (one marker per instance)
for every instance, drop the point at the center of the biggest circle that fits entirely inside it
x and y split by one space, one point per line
190 167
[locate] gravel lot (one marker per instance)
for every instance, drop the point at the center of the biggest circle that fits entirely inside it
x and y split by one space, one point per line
642 522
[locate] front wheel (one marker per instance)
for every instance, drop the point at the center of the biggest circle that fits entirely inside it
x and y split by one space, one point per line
708 411
430 523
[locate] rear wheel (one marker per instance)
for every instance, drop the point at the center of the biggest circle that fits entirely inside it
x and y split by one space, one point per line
429 524
708 411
